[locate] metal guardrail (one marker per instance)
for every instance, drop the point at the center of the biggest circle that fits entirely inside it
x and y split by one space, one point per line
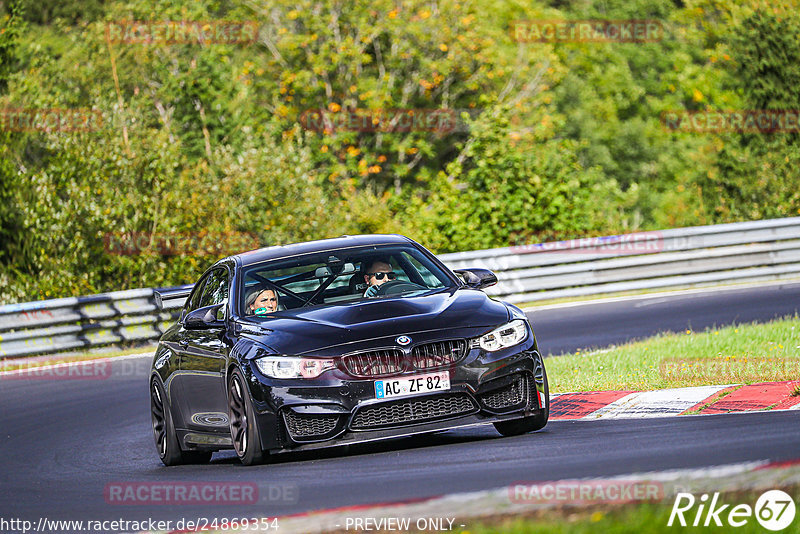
683 257
81 322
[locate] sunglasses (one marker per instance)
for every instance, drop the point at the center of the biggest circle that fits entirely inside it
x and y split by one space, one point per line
379 276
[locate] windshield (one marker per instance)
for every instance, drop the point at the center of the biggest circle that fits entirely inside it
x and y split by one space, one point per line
339 276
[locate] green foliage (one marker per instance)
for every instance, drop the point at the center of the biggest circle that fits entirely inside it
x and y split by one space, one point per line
11 25
72 11
11 227
385 56
768 64
517 190
755 175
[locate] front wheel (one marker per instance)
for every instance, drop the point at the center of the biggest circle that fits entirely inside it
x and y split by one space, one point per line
169 450
244 427
516 427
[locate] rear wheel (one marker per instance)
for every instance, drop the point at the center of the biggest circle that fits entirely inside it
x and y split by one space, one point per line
244 427
516 427
167 445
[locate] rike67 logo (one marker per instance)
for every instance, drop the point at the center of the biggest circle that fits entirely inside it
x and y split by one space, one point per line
774 510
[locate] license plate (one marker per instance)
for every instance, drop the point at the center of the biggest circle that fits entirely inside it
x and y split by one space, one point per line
412 385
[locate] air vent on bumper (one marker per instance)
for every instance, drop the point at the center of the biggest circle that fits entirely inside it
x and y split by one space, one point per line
413 410
515 395
311 427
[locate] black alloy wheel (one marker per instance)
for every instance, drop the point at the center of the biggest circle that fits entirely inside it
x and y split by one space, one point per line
244 427
169 449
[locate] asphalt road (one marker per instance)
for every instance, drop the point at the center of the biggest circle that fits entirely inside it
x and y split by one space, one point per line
67 443
600 324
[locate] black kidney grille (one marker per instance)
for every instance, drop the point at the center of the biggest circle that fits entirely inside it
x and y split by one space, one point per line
513 394
374 363
389 362
438 353
309 425
413 411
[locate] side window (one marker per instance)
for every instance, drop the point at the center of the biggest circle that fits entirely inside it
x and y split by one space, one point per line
215 290
193 302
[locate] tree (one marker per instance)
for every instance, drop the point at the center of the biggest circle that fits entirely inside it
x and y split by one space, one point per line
756 172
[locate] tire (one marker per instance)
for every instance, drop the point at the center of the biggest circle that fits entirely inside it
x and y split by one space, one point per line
515 427
169 450
244 427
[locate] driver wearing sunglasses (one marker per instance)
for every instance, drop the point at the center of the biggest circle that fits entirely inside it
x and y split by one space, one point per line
378 273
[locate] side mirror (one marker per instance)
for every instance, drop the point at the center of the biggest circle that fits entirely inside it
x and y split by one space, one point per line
477 278
204 318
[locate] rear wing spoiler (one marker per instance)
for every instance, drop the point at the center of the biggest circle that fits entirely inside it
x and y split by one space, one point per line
172 297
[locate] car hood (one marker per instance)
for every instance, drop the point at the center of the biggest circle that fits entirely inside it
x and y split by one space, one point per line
310 329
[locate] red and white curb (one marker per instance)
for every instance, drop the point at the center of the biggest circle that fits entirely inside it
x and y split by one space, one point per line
668 402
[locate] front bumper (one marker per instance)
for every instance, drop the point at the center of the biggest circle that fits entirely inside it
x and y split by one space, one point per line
336 409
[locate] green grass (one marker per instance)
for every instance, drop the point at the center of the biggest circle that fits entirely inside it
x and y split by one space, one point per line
739 354
631 518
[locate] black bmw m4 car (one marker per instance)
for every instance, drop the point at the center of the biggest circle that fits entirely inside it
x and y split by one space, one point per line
339 341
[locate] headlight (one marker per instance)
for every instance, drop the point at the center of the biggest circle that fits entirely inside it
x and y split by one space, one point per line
504 336
289 367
